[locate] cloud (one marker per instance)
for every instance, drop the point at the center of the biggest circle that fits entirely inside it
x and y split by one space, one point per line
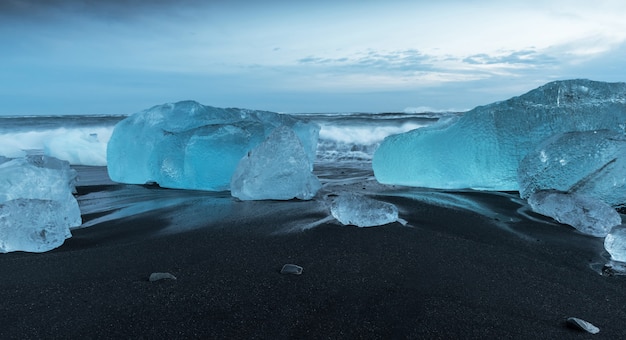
523 57
401 53
415 69
403 60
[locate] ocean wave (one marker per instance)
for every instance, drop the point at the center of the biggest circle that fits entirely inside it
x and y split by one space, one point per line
82 140
80 146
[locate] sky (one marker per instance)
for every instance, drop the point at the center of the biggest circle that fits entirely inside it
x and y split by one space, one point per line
123 56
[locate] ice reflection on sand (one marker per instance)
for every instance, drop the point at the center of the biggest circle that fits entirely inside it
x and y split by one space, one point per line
183 210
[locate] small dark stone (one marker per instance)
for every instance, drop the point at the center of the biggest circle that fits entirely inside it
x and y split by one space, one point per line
291 269
161 276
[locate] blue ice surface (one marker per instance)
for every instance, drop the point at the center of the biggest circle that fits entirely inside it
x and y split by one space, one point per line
37 206
483 148
187 145
277 169
591 163
589 216
615 243
361 211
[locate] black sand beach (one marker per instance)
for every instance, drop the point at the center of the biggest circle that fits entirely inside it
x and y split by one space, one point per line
451 273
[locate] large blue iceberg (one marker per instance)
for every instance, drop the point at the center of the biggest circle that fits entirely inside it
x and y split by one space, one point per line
483 148
187 145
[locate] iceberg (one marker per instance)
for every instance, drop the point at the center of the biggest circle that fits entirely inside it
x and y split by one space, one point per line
615 243
483 148
592 163
37 205
278 168
587 215
361 211
187 145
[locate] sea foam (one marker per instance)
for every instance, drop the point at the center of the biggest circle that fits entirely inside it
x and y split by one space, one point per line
82 140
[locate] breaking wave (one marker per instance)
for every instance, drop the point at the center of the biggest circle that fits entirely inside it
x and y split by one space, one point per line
82 140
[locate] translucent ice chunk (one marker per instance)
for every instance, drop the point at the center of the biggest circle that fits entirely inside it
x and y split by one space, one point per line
587 215
592 163
35 225
615 243
276 169
483 148
187 145
37 177
361 211
37 208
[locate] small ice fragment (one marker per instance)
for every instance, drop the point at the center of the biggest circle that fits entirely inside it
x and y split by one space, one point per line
277 169
589 215
361 211
161 276
614 268
582 325
615 243
37 207
291 269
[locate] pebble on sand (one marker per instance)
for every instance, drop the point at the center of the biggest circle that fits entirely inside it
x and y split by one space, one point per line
161 276
291 269
582 325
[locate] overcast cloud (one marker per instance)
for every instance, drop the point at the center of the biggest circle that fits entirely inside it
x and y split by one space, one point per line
81 57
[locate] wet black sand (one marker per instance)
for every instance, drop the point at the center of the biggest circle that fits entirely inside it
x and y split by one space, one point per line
451 274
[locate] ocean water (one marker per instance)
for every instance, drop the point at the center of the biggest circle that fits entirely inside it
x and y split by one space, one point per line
82 140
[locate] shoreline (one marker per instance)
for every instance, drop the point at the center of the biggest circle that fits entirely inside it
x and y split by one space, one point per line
452 272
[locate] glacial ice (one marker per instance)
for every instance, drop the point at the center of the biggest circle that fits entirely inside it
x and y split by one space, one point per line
37 207
592 163
483 148
361 211
278 168
33 225
588 215
187 145
615 243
